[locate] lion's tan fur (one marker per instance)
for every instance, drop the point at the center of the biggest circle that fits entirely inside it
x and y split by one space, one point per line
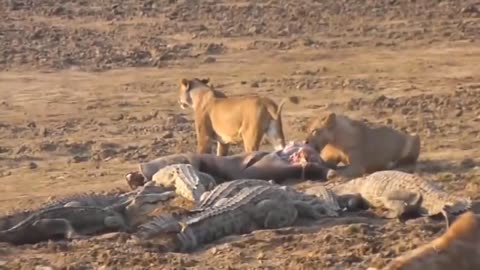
231 120
458 248
363 148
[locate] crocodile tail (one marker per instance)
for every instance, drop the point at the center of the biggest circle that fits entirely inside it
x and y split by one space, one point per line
186 241
9 221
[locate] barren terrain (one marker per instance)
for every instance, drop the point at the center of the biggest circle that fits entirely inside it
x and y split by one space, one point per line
88 90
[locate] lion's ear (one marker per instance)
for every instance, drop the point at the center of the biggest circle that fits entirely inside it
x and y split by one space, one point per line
185 83
331 120
205 81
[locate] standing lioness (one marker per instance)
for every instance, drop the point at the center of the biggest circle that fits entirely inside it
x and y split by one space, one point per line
365 149
230 120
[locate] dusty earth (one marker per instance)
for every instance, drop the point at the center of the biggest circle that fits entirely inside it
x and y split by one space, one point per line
87 90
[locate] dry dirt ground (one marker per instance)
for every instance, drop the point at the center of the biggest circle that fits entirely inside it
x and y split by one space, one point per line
88 89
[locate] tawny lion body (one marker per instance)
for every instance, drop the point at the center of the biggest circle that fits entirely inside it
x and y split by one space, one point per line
362 148
231 120
458 248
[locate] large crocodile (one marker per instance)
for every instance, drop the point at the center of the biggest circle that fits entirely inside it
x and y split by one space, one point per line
403 193
185 180
323 206
254 207
227 190
68 222
76 221
151 195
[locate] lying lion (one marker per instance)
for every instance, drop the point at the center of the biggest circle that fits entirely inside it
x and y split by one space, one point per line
458 248
362 148
230 120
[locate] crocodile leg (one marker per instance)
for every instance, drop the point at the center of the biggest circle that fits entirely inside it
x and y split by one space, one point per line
304 209
273 214
116 222
7 222
352 202
57 226
160 225
401 202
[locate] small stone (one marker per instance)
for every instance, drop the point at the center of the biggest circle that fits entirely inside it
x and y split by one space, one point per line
167 135
44 132
468 163
22 149
42 267
209 60
117 117
458 113
405 110
7 173
261 256
254 85
32 165
132 118
470 9
78 159
327 238
31 125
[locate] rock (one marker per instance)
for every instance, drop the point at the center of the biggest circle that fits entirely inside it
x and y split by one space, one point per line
44 132
32 165
458 113
7 173
209 60
78 159
261 256
117 117
42 267
470 9
468 163
167 135
108 153
405 110
31 124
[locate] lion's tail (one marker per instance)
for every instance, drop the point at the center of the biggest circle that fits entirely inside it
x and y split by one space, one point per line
292 99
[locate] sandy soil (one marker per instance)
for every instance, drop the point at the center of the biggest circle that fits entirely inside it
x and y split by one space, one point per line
88 89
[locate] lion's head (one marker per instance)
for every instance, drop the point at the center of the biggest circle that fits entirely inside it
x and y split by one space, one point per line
321 131
186 86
